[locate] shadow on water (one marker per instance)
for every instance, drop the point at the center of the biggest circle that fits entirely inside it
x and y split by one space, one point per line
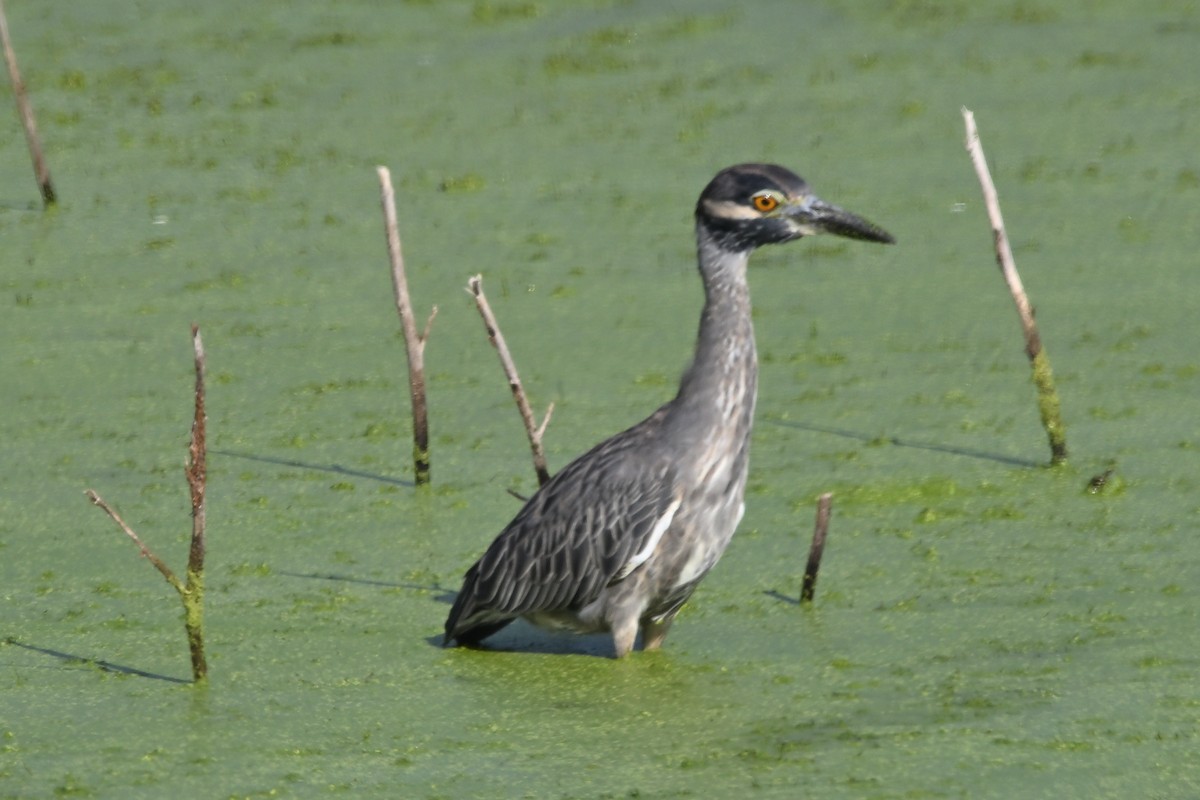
106 666
13 205
896 441
781 597
336 469
444 595
522 637
845 433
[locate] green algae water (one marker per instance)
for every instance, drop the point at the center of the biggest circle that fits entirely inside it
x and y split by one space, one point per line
984 626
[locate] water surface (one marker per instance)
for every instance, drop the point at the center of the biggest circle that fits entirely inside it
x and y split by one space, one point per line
984 627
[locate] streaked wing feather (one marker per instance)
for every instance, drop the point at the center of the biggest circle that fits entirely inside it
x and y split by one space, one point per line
573 537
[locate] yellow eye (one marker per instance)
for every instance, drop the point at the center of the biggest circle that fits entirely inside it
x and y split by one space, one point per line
765 202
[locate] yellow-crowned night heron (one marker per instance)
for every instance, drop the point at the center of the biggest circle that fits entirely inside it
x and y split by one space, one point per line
619 538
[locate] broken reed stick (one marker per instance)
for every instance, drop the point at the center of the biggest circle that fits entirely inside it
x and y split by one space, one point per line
25 110
195 470
817 548
1043 377
414 342
535 432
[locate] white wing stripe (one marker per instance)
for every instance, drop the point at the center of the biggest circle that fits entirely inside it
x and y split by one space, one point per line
656 533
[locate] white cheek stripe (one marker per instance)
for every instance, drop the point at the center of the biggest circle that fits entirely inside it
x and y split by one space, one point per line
656 533
727 209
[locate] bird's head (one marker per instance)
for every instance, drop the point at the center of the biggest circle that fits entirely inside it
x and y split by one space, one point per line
749 205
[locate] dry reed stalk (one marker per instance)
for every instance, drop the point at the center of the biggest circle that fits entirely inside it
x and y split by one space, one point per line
414 342
196 472
1049 407
25 110
817 548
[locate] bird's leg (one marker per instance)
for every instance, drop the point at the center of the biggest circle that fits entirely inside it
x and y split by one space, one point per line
624 636
654 632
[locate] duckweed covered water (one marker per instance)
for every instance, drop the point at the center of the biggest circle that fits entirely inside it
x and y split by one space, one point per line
984 626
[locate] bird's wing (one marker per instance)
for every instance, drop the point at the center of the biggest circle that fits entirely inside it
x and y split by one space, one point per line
591 525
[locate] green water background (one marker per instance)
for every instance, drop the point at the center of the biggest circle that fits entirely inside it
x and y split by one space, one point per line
984 627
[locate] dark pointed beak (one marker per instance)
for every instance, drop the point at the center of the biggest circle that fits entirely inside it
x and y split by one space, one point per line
814 215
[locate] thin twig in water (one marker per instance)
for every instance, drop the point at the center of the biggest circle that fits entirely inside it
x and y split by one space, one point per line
1043 377
158 563
414 342
535 432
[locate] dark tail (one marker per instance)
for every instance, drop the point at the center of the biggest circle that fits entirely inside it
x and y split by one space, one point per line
467 624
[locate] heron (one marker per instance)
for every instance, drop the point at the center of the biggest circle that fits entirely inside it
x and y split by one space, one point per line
619 539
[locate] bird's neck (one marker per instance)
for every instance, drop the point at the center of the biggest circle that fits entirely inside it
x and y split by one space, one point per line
718 390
